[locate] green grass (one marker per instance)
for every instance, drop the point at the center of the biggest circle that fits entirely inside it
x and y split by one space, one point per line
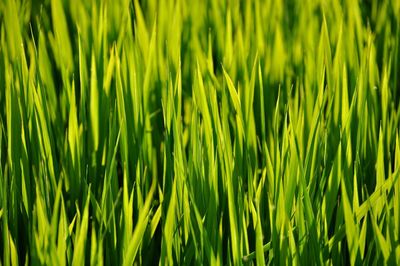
199 132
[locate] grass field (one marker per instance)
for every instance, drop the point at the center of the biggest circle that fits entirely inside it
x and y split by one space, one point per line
199 132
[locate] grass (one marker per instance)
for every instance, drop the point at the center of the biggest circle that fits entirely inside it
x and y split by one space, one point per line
199 132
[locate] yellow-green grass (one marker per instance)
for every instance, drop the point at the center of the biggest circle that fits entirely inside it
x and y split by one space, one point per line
199 132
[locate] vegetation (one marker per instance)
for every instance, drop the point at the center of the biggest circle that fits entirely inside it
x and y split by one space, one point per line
199 132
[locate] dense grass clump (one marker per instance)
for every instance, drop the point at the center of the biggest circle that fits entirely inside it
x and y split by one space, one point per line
206 132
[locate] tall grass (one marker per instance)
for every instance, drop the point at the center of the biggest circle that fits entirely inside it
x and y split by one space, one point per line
199 132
